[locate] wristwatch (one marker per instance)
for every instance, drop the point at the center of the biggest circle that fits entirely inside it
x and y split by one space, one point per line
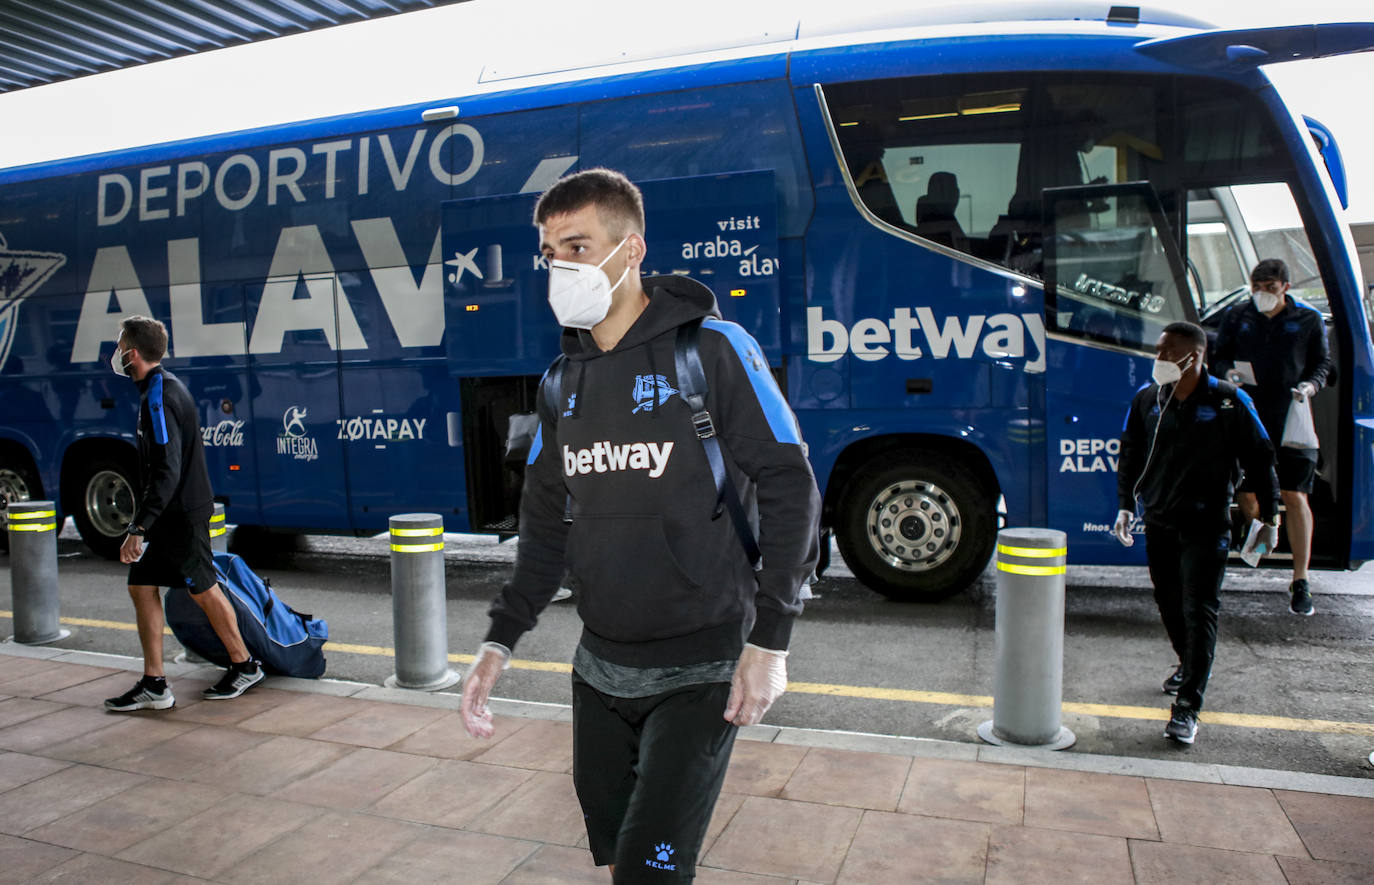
136 531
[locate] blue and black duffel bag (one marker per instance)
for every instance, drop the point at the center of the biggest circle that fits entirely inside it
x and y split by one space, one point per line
287 642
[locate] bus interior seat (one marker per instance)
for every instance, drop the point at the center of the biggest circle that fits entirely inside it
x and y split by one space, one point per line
935 219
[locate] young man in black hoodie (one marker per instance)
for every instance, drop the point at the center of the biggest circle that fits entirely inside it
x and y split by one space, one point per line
1187 438
173 520
683 640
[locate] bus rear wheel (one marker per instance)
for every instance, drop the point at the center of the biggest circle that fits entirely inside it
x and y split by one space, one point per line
17 484
105 504
916 527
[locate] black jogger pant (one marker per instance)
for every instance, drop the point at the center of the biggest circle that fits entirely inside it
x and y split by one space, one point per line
1186 570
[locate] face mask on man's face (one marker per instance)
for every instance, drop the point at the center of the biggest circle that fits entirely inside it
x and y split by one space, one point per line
580 294
1265 300
1169 372
119 362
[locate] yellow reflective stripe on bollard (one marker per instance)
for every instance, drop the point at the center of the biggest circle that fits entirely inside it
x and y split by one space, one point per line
1016 569
215 533
417 548
1033 552
41 527
417 533
31 514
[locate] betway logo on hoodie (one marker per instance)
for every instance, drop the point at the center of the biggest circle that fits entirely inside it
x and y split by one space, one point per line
604 457
1000 336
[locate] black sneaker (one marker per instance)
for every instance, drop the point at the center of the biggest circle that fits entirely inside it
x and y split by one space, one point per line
143 696
1175 681
1302 598
1182 725
235 681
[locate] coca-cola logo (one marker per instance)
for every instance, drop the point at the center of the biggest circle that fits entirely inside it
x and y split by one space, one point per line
225 433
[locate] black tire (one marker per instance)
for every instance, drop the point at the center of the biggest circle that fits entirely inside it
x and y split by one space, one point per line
17 483
104 499
916 526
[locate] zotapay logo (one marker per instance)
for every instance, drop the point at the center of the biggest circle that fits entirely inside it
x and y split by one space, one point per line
604 457
294 440
651 389
663 852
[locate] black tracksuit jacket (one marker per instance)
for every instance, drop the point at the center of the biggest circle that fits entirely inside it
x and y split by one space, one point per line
1284 351
173 479
1200 444
661 583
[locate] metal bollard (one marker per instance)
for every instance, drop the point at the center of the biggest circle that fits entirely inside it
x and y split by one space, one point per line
419 614
33 568
219 533
1029 685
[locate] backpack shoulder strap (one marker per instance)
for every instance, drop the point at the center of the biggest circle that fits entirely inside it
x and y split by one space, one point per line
552 388
692 387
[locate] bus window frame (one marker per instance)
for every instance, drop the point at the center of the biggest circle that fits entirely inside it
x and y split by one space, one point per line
1053 196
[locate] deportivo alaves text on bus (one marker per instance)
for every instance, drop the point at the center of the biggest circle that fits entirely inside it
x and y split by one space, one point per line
956 245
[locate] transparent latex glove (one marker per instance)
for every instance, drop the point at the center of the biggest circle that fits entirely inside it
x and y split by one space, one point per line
491 659
1304 390
1122 528
760 679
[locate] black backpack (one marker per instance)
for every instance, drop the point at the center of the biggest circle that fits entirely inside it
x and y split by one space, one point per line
692 387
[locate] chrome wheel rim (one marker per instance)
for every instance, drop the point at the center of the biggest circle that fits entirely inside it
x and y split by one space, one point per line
12 486
109 503
914 526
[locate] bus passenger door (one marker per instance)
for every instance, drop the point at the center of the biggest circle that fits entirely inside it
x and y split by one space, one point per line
1114 279
294 375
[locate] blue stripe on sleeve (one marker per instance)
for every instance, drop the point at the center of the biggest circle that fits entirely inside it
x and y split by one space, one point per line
155 410
780 418
537 446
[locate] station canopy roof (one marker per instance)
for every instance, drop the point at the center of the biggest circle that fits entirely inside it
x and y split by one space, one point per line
46 41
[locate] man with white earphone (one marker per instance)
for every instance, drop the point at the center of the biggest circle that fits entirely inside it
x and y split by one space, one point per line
1187 438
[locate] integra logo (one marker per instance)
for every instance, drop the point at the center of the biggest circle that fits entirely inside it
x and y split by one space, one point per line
294 440
1000 336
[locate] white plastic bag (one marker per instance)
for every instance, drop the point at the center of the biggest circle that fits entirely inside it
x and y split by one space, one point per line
1298 432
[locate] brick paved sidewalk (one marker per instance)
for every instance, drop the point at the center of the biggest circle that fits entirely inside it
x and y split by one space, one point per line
345 783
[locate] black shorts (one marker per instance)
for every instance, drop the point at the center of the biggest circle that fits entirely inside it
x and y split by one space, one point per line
648 772
176 553
1297 469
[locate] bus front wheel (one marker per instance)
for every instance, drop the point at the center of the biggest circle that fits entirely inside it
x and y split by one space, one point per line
917 527
105 506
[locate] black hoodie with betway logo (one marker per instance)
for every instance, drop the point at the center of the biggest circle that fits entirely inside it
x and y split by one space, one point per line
660 582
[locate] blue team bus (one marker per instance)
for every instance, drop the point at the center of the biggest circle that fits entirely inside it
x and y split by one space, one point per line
955 236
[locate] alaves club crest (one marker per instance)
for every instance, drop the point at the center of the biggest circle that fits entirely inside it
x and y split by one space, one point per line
21 273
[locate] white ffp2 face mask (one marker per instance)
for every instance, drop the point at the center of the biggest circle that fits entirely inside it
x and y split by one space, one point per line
118 363
1265 301
1165 372
580 294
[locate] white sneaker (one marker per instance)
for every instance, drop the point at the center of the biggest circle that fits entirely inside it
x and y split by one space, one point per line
562 594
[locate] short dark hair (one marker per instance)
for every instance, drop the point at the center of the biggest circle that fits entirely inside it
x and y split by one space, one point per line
1190 331
619 204
145 335
1270 270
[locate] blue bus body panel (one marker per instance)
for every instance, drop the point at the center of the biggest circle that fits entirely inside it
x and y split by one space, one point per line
328 285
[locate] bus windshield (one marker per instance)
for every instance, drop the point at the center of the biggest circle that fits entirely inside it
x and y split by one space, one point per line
964 162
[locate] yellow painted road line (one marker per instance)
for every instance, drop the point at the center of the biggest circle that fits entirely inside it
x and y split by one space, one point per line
873 693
